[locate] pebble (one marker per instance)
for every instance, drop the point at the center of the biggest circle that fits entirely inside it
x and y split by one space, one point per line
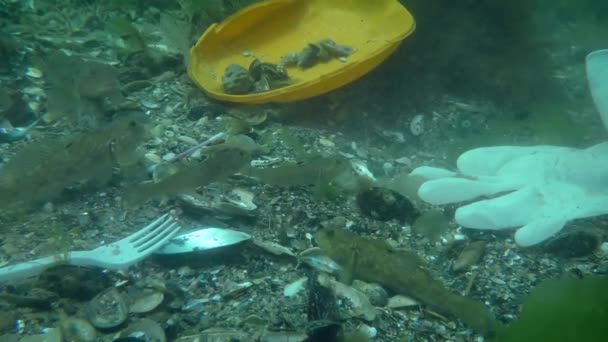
188 140
404 161
326 142
169 134
368 331
150 104
33 72
169 156
154 158
604 248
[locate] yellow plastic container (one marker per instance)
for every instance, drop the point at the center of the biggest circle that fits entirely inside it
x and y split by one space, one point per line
274 28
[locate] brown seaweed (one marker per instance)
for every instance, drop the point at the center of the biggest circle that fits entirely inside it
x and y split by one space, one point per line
40 171
402 272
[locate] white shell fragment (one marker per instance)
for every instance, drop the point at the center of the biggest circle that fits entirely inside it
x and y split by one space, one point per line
239 202
358 301
400 301
315 258
146 301
368 331
203 239
361 170
33 72
294 288
417 125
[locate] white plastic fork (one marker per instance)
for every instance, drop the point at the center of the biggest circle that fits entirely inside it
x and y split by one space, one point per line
114 256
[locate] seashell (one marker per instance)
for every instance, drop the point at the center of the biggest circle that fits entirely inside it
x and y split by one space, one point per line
315 258
241 203
168 156
154 158
309 56
146 301
188 140
358 302
326 142
77 329
361 170
150 104
107 310
295 287
417 125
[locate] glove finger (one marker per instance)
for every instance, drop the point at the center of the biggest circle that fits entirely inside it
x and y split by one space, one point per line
429 172
451 189
512 210
539 230
487 161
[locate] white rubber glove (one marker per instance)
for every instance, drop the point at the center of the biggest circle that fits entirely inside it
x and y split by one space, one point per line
540 188
545 186
597 75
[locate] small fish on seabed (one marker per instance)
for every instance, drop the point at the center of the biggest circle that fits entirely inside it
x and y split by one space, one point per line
41 170
401 272
222 161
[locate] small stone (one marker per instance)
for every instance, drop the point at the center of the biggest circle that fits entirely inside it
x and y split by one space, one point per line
150 104
169 156
48 207
604 248
188 140
107 310
575 243
388 168
33 72
146 301
326 142
78 329
236 80
404 161
154 158
368 331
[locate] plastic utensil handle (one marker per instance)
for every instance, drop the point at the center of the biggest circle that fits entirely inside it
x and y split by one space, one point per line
29 268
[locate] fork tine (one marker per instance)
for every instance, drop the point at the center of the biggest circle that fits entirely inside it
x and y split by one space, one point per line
159 239
165 226
150 230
